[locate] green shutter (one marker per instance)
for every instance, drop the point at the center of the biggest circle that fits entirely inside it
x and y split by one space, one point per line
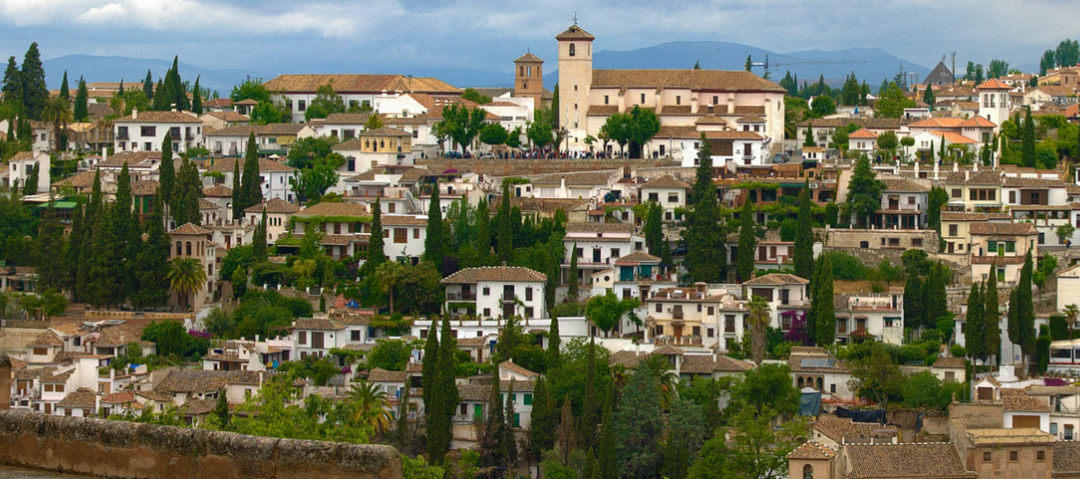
1010 246
478 410
991 246
528 399
517 419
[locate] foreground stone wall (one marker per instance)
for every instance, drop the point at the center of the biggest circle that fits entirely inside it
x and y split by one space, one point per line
116 449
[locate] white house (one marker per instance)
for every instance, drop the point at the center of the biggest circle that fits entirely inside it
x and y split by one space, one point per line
496 291
145 131
785 293
22 163
598 246
277 177
296 92
880 316
667 192
317 336
278 212
404 236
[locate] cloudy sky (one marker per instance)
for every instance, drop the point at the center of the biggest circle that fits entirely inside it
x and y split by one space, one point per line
277 36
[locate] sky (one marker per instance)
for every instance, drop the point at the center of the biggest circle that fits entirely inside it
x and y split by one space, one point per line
322 36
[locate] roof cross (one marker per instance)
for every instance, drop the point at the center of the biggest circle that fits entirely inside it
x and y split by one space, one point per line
575 17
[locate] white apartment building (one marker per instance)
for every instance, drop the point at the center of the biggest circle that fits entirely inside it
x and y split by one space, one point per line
296 92
145 131
496 292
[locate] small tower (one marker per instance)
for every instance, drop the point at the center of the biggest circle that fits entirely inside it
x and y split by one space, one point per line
994 101
575 80
529 78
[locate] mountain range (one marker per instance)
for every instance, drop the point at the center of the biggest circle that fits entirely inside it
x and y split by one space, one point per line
878 65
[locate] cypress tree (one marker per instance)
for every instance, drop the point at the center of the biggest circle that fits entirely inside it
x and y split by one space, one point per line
936 297
32 180
120 89
32 77
65 92
430 366
810 135
237 201
975 325
494 449
52 273
607 461
825 320
992 315
543 420
483 233
101 285
375 253
187 194
153 262
126 232
12 89
161 97
437 239
554 253
445 397
1027 140
639 425
196 98
1025 316
747 242
74 246
508 430
572 280
258 243
166 172
86 248
554 344
148 86
505 247
706 255
81 109
402 429
804 238
589 416
251 186
914 301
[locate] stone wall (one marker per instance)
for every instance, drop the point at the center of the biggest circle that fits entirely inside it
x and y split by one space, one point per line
116 449
521 167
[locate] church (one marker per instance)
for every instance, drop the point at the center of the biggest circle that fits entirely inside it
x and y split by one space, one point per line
740 113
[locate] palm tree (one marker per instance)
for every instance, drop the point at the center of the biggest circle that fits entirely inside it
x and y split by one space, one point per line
370 405
186 276
660 369
388 274
57 110
759 320
1071 314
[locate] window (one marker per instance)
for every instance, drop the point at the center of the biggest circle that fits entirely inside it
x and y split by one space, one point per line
487 312
832 388
122 132
659 308
148 131
416 233
40 351
1013 455
1053 428
573 49
303 337
654 197
301 105
615 253
678 100
642 98
956 193
487 291
401 235
1040 455
673 198
174 132
606 99
354 335
528 399
528 294
529 312
916 242
808 472
715 100
59 388
986 457
953 230
992 246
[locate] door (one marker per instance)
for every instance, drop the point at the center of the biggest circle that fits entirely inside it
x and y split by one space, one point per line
596 255
950 247
763 254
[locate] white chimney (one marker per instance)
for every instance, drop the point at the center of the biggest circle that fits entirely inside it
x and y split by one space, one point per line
134 113
967 175
104 154
955 166
975 166
916 169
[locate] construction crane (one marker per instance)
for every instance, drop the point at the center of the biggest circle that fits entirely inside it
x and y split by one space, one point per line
766 63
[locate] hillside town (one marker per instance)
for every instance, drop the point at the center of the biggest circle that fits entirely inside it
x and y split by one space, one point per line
635 274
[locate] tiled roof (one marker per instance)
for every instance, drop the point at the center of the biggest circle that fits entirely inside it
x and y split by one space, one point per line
983 177
275 205
637 257
579 178
977 121
154 396
732 135
710 120
415 174
953 137
749 109
205 204
197 407
677 110
1020 182
199 381
751 119
56 377
1066 457
120 397
516 369
233 130
82 398
229 116
495 273
334 209
132 158
144 187
218 102
862 134
218 191
669 350
905 460
120 335
903 184
776 279
348 118
338 240
949 363
839 429
190 229
709 364
159 117
812 450
528 57
992 84
547 205
795 363
692 79
1003 229
1025 403
48 338
575 33
404 220
385 131
34 373
666 181
317 324
940 122
599 228
359 83
473 392
602 110
971 216
225 165
382 375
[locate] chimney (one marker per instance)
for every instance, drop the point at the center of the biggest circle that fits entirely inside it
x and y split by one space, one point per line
967 175
975 166
104 154
916 169
172 106
955 166
134 113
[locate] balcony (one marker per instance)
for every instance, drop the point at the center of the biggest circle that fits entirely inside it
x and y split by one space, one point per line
463 296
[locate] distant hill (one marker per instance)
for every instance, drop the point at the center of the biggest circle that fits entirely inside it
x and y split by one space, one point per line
133 70
732 56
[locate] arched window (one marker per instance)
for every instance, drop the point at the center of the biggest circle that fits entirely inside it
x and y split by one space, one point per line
179 249
808 472
525 85
800 383
521 71
530 71
573 50
819 384
188 248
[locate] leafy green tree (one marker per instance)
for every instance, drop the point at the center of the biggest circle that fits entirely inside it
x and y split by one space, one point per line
589 410
249 89
766 387
265 113
101 279
12 88
938 197
186 276
638 425
462 124
704 236
544 419
539 132
804 237
747 242
493 134
169 336
607 311
925 390
644 125
325 103
892 102
185 206
607 460
876 377
52 273
864 193
755 448
492 441
822 106
619 127
686 434
80 112
929 98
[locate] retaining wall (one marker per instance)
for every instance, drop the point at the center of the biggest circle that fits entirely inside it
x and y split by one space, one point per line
117 449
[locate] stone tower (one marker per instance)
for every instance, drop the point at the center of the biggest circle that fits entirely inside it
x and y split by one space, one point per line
994 101
529 78
575 79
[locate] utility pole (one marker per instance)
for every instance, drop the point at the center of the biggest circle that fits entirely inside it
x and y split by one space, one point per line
953 68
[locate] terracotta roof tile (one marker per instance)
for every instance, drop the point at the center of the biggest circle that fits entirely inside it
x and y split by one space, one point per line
225 165
637 257
905 460
993 84
623 228
575 33
144 188
404 220
159 117
120 397
812 450
382 375
275 205
82 398
317 324
359 83
841 429
949 363
190 229
775 279
495 273
1003 229
1066 457
334 209
709 364
48 338
692 79
1023 402
666 181
516 369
